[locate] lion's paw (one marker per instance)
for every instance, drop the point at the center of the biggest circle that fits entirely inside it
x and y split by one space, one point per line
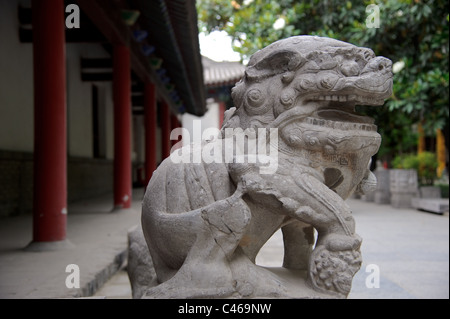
332 271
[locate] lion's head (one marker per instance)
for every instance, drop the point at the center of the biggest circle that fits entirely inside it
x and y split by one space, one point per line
308 87
309 76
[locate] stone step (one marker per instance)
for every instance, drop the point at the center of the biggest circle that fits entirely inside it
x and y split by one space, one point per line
433 205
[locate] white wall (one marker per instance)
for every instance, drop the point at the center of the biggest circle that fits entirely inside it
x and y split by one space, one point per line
210 119
16 83
109 110
138 145
79 99
16 91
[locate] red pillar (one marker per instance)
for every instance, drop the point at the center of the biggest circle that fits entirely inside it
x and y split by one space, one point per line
150 130
50 177
173 125
165 130
222 110
122 126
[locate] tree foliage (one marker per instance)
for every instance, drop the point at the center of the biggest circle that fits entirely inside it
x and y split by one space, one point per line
424 163
412 33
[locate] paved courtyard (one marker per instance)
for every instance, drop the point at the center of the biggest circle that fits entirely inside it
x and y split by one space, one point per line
409 249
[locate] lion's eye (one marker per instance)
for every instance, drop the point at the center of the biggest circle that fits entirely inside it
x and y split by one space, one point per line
256 101
255 98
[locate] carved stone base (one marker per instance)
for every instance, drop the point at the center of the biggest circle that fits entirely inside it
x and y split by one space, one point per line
297 287
289 284
240 278
294 283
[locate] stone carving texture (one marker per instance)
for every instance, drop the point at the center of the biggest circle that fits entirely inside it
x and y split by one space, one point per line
204 223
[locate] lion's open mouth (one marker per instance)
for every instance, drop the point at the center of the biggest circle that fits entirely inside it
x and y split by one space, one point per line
333 124
331 112
341 115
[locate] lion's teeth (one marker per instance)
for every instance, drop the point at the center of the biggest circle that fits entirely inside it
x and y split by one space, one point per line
340 125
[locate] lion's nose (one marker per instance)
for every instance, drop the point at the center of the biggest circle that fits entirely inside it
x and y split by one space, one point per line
383 64
378 64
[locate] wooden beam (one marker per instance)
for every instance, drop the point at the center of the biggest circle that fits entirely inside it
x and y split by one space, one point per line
100 76
96 63
137 87
96 77
87 33
24 14
106 16
137 100
72 36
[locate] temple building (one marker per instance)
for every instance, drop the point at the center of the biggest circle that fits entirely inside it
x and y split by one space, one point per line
89 92
219 79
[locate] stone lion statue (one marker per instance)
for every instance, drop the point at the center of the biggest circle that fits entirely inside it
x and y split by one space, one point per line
204 223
